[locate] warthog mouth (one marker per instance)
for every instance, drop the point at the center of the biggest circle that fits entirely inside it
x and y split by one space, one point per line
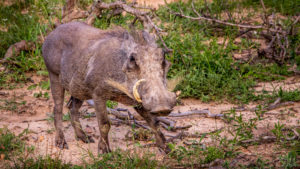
124 89
162 113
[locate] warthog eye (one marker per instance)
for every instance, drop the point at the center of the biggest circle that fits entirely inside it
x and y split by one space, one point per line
132 62
132 57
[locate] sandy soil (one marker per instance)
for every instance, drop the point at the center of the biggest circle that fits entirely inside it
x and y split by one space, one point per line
34 113
153 3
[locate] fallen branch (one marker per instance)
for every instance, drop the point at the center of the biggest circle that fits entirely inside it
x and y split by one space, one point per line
131 123
259 140
181 14
196 112
183 135
275 105
120 6
15 49
164 120
118 114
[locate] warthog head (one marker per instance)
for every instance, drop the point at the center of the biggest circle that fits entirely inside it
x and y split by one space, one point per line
146 69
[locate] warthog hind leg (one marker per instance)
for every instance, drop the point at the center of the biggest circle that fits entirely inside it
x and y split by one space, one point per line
104 124
58 97
75 115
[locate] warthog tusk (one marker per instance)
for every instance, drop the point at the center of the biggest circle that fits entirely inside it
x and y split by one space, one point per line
136 94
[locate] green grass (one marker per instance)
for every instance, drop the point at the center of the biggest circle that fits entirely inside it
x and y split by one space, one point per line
10 104
11 144
284 95
209 71
23 20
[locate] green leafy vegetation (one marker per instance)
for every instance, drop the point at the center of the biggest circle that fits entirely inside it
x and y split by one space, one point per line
210 73
11 104
111 104
23 20
11 144
289 161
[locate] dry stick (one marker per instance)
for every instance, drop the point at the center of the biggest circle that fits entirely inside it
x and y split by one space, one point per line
265 13
117 114
196 112
182 135
296 135
260 140
170 125
274 106
166 121
158 30
142 16
180 14
131 123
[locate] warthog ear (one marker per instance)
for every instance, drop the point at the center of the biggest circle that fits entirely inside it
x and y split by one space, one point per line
149 39
142 37
128 43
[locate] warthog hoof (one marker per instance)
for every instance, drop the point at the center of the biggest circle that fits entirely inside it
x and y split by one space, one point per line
103 148
85 138
165 149
61 143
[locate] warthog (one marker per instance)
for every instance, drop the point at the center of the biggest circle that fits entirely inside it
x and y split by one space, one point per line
106 65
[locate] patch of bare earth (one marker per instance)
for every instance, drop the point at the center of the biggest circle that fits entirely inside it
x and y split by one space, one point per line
153 3
34 113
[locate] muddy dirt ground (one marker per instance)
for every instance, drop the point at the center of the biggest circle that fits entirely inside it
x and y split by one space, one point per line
21 109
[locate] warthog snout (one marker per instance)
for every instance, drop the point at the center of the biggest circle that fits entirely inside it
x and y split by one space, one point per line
157 99
165 105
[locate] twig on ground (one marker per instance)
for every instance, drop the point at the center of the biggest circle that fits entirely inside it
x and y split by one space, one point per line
275 105
166 121
182 135
260 140
196 112
37 120
131 123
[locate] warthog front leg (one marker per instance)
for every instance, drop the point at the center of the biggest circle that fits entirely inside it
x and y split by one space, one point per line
104 124
75 115
58 97
153 123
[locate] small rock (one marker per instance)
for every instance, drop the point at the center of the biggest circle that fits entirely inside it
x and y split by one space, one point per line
2 156
88 129
34 138
41 138
3 93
